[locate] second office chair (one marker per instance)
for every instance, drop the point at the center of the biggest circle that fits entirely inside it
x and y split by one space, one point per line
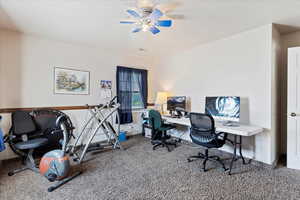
203 133
159 131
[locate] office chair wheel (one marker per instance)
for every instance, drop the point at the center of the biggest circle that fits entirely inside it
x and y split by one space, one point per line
11 173
50 189
189 160
203 170
169 150
225 170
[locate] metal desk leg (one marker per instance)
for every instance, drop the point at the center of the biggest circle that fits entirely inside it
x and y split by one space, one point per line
234 154
240 151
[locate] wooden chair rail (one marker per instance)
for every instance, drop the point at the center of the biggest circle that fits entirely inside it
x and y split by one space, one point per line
10 110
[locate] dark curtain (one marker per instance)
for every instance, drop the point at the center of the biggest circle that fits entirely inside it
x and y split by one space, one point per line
124 93
125 78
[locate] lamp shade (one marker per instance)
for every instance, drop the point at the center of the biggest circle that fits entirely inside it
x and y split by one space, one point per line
161 98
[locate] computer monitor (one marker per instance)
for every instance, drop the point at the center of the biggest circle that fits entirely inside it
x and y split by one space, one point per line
176 102
223 108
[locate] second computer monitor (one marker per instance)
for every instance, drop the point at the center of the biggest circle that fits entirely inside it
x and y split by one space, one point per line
176 102
223 108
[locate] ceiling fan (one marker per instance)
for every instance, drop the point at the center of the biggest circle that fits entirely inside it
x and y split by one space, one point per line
147 16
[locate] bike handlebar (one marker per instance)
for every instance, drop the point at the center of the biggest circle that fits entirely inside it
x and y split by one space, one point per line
110 103
113 99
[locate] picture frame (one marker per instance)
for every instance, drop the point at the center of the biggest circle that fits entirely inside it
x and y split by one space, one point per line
71 81
106 84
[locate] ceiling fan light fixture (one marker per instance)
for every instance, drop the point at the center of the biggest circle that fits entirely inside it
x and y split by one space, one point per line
147 20
145 27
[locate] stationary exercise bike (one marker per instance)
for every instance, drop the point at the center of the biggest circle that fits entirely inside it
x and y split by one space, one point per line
34 133
55 165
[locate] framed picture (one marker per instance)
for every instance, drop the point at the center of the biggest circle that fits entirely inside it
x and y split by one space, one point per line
71 81
105 84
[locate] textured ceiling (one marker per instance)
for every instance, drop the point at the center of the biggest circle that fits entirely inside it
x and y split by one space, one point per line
96 22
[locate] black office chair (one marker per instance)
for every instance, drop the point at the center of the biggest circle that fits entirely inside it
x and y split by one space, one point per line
203 133
159 131
24 138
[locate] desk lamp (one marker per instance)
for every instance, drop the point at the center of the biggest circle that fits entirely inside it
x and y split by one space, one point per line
161 99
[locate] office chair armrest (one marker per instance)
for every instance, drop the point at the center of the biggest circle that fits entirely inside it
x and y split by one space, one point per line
223 134
6 138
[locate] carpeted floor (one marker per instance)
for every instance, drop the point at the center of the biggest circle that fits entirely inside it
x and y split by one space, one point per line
140 173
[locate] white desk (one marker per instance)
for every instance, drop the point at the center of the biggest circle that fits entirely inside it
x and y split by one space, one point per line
236 131
241 130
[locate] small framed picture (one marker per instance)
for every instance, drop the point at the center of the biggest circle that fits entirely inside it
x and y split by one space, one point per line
105 84
71 81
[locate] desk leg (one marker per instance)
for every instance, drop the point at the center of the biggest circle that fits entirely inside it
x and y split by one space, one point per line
234 157
240 151
234 154
241 155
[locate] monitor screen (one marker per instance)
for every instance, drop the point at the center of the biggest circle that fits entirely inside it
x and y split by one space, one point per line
176 102
223 108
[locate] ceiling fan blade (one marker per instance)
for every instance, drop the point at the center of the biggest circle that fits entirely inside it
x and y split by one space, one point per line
164 23
156 14
133 13
127 22
154 30
138 29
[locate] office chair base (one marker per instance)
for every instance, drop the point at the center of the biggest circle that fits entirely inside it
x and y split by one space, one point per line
206 157
199 156
166 144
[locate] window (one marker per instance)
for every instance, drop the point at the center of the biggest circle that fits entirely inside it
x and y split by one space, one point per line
136 94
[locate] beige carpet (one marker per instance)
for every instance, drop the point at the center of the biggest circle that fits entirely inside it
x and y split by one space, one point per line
140 173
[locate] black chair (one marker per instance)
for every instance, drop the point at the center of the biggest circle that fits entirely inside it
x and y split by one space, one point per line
159 131
24 138
203 133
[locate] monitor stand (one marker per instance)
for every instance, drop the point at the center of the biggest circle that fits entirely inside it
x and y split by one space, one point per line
230 123
175 114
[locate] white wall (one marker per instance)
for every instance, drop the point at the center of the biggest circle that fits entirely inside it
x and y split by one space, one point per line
239 65
27 63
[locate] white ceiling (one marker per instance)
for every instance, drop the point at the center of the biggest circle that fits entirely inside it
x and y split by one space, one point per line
96 22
